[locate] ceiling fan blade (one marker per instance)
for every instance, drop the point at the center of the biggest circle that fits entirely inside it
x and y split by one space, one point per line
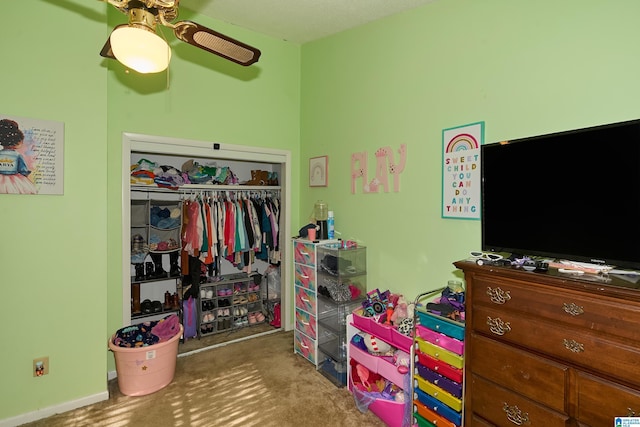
106 51
216 43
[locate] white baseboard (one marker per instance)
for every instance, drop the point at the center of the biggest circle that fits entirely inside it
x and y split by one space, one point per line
52 410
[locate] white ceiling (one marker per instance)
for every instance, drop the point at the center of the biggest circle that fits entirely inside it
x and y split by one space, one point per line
299 21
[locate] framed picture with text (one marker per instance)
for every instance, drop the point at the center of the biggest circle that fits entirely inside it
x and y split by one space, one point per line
318 167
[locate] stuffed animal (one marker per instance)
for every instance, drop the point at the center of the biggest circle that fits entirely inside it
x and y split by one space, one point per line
406 326
376 346
400 311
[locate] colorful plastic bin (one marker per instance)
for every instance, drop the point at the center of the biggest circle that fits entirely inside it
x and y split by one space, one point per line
145 370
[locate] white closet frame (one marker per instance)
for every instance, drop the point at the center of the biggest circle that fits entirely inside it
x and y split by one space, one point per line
133 142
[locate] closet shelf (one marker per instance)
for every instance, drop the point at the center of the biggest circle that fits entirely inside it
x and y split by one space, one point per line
188 188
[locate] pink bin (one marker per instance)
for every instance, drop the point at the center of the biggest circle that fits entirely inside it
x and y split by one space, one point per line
145 370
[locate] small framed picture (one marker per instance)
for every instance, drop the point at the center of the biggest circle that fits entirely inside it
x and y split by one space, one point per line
318 167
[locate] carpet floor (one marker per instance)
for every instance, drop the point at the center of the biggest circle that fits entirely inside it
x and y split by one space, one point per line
255 382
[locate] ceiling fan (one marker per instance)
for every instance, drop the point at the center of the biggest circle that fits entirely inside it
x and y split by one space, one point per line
138 46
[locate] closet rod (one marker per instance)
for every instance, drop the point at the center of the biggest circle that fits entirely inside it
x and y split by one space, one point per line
203 187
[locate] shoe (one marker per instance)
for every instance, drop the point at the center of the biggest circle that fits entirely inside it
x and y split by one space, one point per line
139 272
148 271
209 293
252 318
175 301
156 306
174 262
259 317
135 298
158 272
276 322
239 300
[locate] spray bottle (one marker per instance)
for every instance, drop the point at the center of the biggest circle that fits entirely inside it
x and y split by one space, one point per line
331 226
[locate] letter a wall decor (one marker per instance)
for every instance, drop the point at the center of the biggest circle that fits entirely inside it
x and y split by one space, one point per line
461 171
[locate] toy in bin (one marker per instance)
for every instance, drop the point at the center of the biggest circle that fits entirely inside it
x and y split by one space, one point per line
390 309
376 303
450 304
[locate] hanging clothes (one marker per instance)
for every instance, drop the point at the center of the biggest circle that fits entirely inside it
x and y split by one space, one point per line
238 227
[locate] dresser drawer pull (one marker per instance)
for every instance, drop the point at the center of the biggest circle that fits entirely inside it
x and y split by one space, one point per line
573 345
497 326
573 309
631 412
497 295
515 415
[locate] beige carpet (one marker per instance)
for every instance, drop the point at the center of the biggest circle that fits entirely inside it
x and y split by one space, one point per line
256 382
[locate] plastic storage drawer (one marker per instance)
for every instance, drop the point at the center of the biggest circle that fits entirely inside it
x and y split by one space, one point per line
440 324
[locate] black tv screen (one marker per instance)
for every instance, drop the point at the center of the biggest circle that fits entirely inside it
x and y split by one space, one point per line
571 195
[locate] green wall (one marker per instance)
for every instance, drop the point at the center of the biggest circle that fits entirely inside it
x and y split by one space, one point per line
205 98
53 247
522 67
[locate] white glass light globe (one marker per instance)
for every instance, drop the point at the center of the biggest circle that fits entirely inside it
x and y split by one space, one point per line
140 50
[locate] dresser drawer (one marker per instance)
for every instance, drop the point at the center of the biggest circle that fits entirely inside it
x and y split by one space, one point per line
438 393
570 344
444 383
504 408
598 314
600 401
305 299
440 324
306 323
438 407
439 353
304 253
304 346
304 276
534 377
440 340
439 366
431 416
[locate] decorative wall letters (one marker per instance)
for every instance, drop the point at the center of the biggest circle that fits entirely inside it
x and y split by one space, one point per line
385 166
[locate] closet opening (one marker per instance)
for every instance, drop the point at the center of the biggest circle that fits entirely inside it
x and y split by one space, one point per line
206 181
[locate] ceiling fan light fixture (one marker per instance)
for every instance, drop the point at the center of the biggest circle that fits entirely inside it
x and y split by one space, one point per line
137 46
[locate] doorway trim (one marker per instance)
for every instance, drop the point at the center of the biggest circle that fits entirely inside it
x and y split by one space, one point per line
134 142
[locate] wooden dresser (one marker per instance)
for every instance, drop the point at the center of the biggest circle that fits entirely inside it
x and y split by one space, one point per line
549 349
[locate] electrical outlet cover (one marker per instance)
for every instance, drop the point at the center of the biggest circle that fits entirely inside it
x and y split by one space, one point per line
40 366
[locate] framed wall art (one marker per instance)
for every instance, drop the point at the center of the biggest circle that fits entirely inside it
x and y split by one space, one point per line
31 156
461 178
318 167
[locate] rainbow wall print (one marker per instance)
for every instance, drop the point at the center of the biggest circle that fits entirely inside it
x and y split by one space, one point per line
461 171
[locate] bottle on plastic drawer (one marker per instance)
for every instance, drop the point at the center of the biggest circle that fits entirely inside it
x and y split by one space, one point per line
331 226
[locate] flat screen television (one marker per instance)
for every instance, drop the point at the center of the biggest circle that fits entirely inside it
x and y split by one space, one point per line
571 195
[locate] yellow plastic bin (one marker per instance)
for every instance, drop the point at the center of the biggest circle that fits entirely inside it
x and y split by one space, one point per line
145 370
